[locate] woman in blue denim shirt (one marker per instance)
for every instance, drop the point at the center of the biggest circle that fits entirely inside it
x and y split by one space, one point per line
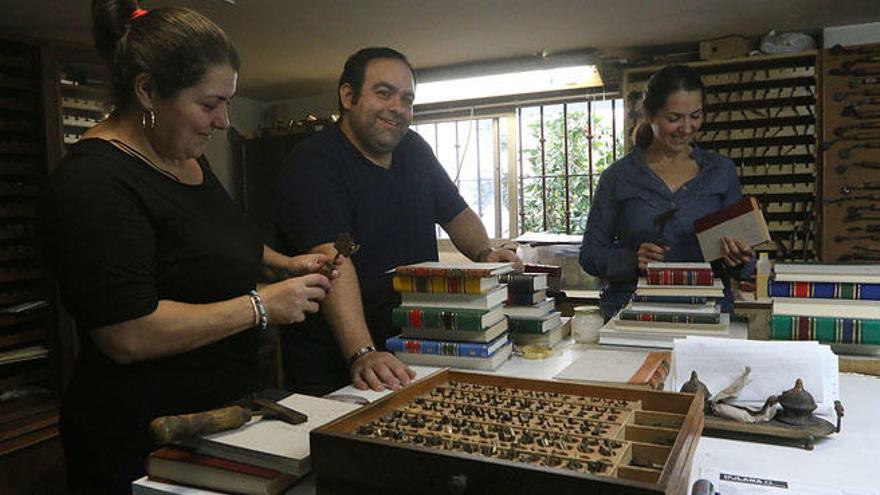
664 174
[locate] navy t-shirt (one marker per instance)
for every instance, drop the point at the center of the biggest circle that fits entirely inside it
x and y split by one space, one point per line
328 187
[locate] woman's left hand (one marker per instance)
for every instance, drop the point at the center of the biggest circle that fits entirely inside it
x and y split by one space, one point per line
304 264
735 252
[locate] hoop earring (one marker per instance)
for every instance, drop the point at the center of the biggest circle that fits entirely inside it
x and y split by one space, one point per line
151 123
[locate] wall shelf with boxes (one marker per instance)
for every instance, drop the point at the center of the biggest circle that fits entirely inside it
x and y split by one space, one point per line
761 113
84 98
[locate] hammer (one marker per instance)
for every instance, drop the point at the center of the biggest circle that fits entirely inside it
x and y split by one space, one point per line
168 429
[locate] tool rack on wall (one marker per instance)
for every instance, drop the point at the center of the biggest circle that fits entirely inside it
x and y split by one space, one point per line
851 152
761 113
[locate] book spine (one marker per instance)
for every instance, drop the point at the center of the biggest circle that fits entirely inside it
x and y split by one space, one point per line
825 329
519 283
670 317
443 272
437 284
679 276
436 318
826 290
525 326
438 347
179 455
671 299
653 371
521 299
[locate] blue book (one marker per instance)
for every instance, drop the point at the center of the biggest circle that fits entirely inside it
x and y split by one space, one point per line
825 290
446 348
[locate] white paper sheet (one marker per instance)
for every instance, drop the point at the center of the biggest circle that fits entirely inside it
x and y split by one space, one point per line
726 483
775 367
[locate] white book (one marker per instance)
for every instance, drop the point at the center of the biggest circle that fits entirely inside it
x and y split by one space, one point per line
673 328
836 308
272 443
645 289
474 363
533 311
702 309
465 301
617 367
737 331
841 273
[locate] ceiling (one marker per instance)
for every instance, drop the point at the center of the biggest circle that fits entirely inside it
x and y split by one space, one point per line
296 48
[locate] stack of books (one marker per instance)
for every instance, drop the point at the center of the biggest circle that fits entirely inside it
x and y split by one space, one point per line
673 300
835 304
451 315
530 313
262 457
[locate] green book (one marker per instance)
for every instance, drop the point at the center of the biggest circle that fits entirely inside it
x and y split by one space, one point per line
446 318
535 325
826 329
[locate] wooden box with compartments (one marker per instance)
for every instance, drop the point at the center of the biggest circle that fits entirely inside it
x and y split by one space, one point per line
456 432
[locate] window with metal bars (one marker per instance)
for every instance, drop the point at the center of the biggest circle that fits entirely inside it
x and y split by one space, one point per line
563 150
550 155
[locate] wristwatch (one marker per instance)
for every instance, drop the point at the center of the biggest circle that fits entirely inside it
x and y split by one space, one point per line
360 352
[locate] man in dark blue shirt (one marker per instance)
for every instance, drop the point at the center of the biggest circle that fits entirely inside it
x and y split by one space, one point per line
374 178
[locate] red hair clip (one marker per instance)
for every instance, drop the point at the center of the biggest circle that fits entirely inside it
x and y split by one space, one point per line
138 13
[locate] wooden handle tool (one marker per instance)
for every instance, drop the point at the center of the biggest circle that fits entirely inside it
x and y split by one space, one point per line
167 429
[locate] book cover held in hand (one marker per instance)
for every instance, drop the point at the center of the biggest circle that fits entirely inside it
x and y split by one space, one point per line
742 220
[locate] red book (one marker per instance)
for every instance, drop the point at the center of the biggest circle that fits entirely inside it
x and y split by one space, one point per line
680 274
181 466
440 269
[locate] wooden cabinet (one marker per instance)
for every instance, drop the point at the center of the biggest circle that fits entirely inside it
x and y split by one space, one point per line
31 349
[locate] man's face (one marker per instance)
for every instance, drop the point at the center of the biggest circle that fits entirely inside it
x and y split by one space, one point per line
380 115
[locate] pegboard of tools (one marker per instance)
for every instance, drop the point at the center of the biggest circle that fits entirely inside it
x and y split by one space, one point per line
851 153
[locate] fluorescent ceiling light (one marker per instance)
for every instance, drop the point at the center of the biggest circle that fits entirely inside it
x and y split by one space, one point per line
507 84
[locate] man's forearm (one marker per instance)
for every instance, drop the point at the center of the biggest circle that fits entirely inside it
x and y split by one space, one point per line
468 234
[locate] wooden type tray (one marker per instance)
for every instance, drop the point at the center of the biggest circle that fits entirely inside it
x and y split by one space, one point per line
457 432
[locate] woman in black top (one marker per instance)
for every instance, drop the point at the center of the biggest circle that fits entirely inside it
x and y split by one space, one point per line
156 264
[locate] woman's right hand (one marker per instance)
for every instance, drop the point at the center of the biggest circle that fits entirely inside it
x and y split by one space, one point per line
650 252
288 301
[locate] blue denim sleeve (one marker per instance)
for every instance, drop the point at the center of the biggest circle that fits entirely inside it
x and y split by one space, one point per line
600 255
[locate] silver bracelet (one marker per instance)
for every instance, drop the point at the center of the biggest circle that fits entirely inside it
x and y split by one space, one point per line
261 309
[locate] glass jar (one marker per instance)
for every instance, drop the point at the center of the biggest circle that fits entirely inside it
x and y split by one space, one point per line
585 324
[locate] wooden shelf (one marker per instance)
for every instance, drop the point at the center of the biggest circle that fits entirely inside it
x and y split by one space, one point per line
23 337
